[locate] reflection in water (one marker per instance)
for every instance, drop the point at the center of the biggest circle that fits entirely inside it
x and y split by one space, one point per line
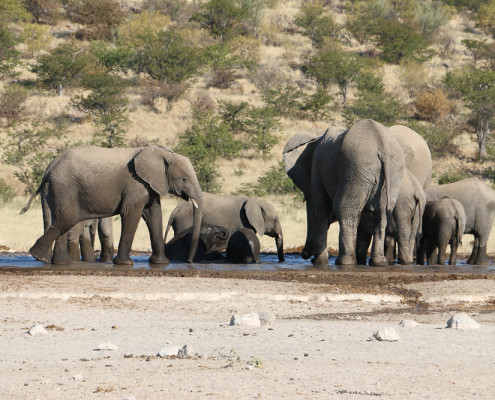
269 262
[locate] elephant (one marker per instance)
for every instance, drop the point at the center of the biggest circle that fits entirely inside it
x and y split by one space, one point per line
212 238
403 226
81 240
478 200
243 247
88 182
232 212
444 222
343 173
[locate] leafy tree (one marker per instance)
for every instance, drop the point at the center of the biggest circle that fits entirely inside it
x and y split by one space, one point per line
486 17
284 100
315 23
439 137
100 17
113 57
141 29
9 56
430 16
316 106
107 104
207 140
477 88
43 11
333 65
7 193
63 66
13 104
261 127
37 37
13 11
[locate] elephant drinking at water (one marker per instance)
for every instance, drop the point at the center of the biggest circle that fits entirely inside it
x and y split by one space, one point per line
91 182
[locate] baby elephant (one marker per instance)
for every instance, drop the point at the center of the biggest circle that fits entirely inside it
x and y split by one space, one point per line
243 247
212 238
443 223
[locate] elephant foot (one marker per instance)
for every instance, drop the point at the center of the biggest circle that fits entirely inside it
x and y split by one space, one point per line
62 259
345 260
162 260
106 258
43 255
379 262
118 260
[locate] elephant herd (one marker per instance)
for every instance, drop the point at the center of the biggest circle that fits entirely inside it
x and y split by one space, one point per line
373 180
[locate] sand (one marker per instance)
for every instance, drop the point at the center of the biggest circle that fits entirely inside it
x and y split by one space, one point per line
319 346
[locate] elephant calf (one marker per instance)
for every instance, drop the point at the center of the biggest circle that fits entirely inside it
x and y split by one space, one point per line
81 240
444 222
212 238
243 247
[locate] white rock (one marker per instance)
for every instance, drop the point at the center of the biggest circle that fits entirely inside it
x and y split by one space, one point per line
462 321
77 377
408 323
169 351
245 320
386 335
266 317
186 351
107 346
37 329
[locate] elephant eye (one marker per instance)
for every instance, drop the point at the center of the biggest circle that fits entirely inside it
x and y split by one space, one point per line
184 179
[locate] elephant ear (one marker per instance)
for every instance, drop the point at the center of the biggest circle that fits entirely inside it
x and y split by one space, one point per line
254 215
151 166
296 146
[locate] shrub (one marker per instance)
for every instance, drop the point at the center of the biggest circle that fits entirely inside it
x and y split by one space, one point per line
177 10
13 104
430 16
433 105
414 76
37 37
486 17
63 67
7 193
440 138
315 24
381 107
9 56
261 127
13 11
316 106
100 17
284 100
43 11
141 29
107 104
452 176
112 57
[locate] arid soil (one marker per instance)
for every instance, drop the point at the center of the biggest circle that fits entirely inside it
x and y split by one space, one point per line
320 344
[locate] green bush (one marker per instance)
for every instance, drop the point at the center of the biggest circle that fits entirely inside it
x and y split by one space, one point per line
315 24
431 16
43 11
36 37
440 138
380 107
7 193
9 56
99 17
284 100
13 104
453 176
486 17
316 106
13 11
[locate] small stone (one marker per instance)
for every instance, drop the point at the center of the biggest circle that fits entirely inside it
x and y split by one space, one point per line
77 377
186 351
408 323
37 329
245 320
462 321
386 335
107 346
266 317
169 351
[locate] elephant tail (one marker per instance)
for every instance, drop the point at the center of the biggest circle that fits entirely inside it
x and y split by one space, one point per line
459 232
169 224
26 207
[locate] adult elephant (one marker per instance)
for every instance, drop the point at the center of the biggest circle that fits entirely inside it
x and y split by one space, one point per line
92 182
81 240
478 200
232 212
342 174
444 222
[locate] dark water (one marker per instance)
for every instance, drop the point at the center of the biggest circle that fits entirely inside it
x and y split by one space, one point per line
269 262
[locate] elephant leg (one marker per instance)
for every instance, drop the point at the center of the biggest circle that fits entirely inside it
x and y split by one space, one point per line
431 254
442 248
42 249
87 244
60 251
105 233
421 250
362 244
347 242
73 243
390 249
453 252
474 252
377 248
130 219
153 217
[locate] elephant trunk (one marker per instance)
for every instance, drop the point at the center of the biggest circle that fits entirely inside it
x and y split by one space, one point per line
197 217
279 241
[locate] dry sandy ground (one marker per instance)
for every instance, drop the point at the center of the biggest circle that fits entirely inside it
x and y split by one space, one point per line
319 346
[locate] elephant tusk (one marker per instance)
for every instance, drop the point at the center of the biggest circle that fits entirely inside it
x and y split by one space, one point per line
194 202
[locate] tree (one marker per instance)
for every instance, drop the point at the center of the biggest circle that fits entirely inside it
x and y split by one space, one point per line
36 37
9 56
486 17
315 23
107 104
477 88
13 104
100 17
333 65
43 11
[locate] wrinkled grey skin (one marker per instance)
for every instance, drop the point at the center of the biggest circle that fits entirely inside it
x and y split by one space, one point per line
88 182
212 238
417 158
478 200
444 222
342 174
403 226
243 247
81 240
232 212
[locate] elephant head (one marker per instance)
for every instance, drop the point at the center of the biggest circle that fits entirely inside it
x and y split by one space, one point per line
263 217
168 172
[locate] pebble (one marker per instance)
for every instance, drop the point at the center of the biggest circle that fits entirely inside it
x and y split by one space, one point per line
37 329
386 335
246 320
107 346
408 323
462 321
77 377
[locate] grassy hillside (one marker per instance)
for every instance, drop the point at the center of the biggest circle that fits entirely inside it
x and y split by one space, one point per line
282 46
